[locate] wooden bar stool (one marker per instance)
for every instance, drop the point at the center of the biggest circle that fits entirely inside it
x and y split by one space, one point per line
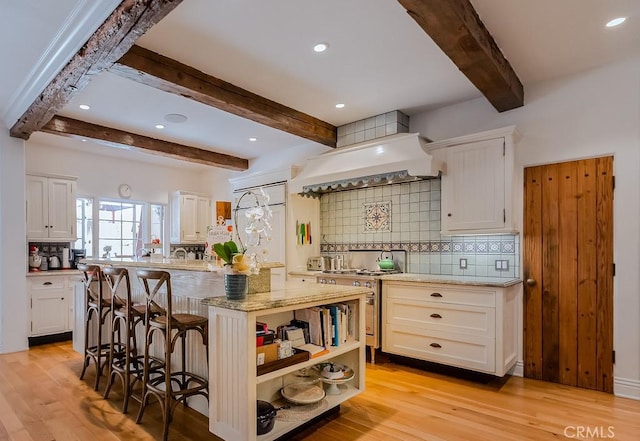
97 309
176 384
124 359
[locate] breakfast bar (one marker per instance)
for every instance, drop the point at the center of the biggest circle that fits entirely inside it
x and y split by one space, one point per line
235 385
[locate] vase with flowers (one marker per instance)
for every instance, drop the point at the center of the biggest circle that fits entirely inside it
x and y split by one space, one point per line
237 269
240 261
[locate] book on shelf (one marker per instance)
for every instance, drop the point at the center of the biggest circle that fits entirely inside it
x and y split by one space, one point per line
328 325
313 317
313 350
296 337
265 338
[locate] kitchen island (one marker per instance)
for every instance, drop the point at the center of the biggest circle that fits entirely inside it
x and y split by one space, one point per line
191 282
234 382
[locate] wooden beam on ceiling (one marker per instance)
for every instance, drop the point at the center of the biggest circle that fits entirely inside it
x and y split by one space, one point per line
73 128
109 42
160 72
455 26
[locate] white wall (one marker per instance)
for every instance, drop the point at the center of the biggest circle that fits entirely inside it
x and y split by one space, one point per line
595 113
100 175
13 289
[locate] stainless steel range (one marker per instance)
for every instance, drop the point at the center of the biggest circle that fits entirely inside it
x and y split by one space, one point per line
360 268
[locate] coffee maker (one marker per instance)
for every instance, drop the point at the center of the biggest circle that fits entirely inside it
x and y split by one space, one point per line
77 255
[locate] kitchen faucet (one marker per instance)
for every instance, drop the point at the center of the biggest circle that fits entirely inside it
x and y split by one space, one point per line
177 250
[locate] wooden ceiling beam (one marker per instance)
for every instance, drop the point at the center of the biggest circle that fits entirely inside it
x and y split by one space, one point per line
155 70
455 26
109 42
73 128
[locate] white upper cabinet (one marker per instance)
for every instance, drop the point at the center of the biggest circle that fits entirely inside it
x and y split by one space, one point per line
190 216
51 208
477 185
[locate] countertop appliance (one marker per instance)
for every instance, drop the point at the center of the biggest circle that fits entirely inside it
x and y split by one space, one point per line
54 262
362 270
77 255
318 263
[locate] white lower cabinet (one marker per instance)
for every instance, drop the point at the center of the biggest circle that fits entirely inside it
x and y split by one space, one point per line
470 327
51 305
300 279
235 385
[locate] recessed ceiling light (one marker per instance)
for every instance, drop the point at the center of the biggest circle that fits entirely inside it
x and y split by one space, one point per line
253 139
321 47
84 107
175 118
616 22
159 126
340 106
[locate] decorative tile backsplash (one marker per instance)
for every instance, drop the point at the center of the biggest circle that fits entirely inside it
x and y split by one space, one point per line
377 216
415 228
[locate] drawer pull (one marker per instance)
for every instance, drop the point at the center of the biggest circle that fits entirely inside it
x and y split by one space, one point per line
435 345
436 294
436 316
47 283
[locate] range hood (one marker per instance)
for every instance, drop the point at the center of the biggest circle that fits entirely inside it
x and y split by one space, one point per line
386 160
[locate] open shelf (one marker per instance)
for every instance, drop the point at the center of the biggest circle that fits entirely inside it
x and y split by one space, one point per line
283 427
334 351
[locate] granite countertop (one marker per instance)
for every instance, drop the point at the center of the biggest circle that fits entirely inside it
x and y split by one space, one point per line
49 273
305 273
290 295
455 280
171 264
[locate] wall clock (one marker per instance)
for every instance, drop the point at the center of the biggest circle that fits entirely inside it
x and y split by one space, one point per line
124 190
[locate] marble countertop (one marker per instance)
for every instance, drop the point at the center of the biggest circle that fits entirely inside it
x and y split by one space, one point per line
171 264
290 295
456 280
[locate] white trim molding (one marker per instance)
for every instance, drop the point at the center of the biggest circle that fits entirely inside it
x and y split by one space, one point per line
626 388
79 25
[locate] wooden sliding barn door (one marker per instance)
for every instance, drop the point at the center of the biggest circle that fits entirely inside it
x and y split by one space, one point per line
568 272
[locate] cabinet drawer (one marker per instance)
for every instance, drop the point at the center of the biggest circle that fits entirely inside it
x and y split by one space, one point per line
48 283
440 347
462 319
461 295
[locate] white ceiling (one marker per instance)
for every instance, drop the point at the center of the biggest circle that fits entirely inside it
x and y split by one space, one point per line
379 60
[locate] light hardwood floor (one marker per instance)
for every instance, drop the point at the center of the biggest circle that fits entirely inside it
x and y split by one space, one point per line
42 399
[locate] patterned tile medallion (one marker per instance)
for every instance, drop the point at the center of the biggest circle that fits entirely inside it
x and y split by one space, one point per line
377 216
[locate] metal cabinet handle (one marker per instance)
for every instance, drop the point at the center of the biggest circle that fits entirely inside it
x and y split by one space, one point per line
435 345
436 294
61 298
448 214
47 283
436 316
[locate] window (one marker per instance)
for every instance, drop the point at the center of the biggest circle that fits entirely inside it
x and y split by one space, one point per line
117 228
84 225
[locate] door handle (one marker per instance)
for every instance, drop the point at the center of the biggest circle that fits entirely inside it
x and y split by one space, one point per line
531 282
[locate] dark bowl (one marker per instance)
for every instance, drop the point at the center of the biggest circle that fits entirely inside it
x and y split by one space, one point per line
266 417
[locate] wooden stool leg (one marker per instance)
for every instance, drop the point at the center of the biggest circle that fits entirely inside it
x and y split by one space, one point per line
115 325
87 323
